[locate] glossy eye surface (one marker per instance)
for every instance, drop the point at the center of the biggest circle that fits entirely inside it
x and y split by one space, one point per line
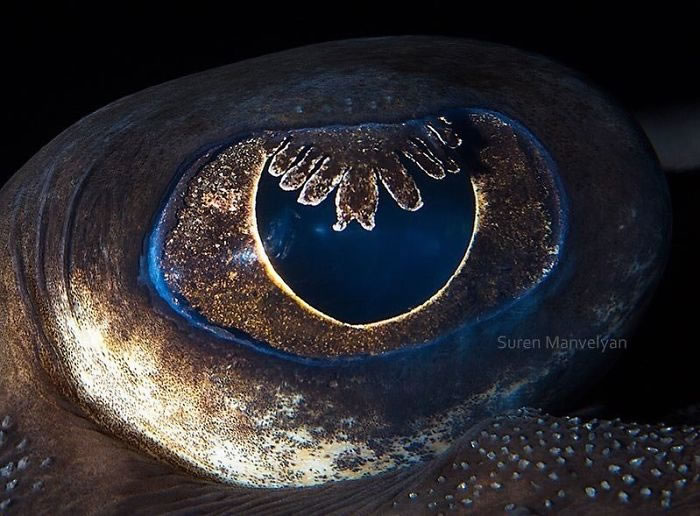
315 266
482 229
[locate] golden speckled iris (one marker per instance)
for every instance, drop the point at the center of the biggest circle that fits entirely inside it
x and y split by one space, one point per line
214 260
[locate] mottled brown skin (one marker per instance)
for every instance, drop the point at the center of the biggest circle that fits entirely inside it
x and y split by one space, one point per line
90 473
101 468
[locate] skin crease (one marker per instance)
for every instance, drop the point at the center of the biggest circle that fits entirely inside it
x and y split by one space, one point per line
75 464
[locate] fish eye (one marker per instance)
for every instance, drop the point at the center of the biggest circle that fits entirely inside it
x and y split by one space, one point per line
314 267
237 250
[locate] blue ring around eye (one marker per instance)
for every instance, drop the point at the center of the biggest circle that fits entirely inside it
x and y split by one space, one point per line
154 276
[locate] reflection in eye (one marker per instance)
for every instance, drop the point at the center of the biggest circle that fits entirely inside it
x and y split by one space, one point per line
299 278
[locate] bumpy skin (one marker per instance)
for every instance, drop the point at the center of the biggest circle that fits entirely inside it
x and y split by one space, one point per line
73 226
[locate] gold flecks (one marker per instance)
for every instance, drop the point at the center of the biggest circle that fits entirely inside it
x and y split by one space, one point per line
401 186
237 431
321 183
357 198
513 245
282 159
299 172
351 158
424 160
223 201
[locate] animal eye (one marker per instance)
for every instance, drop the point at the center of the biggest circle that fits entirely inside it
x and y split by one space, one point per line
362 239
317 266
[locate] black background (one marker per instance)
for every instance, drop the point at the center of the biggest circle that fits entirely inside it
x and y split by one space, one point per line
61 65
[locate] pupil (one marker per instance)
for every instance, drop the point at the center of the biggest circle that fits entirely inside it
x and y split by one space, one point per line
358 276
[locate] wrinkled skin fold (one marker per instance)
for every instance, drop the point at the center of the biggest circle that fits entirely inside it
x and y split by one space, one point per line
110 402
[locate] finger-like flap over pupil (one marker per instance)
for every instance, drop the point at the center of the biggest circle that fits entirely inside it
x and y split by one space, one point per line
344 240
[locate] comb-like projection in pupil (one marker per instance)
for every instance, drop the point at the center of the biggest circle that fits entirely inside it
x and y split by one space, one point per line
411 235
400 233
356 158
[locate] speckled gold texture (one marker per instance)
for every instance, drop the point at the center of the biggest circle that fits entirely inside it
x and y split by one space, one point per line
356 159
213 256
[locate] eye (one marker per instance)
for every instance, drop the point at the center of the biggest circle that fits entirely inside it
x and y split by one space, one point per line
310 268
468 219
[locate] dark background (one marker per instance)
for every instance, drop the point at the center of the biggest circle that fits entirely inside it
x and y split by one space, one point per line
61 65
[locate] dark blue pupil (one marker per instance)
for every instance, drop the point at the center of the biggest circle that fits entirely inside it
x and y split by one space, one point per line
359 276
